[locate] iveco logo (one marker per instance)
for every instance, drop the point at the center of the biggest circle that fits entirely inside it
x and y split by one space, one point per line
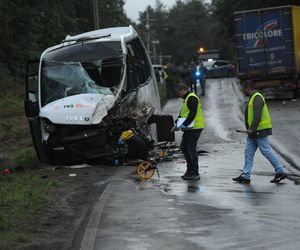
77 118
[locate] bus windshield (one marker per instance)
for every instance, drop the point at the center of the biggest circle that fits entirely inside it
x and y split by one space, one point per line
61 79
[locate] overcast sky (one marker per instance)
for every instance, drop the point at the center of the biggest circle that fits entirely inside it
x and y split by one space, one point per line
132 7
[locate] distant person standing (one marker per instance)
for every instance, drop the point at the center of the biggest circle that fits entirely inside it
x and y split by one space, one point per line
259 127
198 74
196 77
203 78
171 80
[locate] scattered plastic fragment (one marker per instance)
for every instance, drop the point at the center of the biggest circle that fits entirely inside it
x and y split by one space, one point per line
6 171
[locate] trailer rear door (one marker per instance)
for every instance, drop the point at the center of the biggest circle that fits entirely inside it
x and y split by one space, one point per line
265 42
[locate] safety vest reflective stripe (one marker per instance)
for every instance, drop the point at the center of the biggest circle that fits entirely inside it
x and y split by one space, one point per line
165 75
265 120
184 113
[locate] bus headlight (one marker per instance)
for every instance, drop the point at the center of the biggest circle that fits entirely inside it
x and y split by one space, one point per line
48 126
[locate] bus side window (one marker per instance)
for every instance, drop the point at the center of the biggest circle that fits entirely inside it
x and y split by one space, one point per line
141 61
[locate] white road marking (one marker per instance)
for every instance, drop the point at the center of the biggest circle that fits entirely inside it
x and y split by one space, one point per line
92 227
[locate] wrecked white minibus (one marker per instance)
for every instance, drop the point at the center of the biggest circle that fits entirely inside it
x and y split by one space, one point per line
82 94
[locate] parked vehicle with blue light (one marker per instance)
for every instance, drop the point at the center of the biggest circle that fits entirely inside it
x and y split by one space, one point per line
219 68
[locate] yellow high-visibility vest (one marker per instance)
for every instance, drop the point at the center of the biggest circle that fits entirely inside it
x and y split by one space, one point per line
165 75
184 113
265 120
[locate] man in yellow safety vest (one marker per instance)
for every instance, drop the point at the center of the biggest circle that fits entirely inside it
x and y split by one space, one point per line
191 121
259 127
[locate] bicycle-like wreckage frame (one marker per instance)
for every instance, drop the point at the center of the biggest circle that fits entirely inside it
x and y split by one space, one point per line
146 169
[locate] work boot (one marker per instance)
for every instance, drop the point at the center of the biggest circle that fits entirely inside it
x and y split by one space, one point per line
241 179
185 174
191 177
278 177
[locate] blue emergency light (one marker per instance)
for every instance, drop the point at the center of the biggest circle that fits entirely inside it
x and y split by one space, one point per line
198 73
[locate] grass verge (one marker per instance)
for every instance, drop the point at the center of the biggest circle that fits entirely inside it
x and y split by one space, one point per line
26 158
22 195
26 190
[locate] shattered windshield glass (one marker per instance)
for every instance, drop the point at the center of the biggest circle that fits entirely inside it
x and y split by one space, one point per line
62 79
81 68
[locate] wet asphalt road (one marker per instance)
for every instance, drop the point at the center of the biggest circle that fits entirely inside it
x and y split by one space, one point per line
214 212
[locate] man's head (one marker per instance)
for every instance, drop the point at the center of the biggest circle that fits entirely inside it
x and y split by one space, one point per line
248 87
181 89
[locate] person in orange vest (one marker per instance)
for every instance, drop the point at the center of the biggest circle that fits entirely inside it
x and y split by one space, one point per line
259 127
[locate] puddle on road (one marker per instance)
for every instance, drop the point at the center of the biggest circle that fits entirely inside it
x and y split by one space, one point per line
192 189
179 188
165 187
248 191
170 184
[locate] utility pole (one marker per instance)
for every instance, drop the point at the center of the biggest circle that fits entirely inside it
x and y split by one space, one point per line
160 59
96 14
148 30
154 43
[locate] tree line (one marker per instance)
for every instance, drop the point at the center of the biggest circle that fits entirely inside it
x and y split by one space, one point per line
27 27
192 24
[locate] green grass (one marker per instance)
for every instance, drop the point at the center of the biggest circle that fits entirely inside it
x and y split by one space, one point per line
13 120
12 127
22 195
26 157
10 104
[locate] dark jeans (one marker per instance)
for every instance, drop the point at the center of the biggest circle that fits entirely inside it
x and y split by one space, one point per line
188 147
203 83
195 89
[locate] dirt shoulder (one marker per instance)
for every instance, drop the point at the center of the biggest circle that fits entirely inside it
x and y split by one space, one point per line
57 225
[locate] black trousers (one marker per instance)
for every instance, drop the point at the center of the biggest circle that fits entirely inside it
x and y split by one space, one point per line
188 147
